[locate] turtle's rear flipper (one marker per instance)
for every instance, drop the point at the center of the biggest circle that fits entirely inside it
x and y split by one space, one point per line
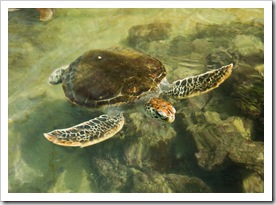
199 84
88 133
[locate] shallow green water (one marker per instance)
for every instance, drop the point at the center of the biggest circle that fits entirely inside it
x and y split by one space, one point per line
216 143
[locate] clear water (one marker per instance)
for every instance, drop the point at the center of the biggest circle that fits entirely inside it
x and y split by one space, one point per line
187 156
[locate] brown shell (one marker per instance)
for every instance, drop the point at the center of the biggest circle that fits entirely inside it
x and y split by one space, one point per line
108 77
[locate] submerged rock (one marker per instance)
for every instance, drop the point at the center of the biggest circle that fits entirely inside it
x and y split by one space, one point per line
150 38
109 175
142 34
253 183
221 142
180 46
248 45
151 145
247 92
220 57
232 42
153 182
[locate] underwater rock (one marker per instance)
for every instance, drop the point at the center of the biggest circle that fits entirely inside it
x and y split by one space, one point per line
248 45
220 57
109 175
67 180
154 182
188 65
143 144
253 183
151 131
260 69
247 91
215 33
150 183
139 36
250 154
186 184
180 46
221 141
249 48
22 175
149 142
202 46
239 41
39 94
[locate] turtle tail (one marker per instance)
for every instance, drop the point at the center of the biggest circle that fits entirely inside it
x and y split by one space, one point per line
87 133
199 84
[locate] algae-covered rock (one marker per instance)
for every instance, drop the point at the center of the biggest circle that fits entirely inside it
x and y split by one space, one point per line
248 45
186 184
247 92
203 46
232 42
219 57
140 35
242 45
180 46
144 182
109 175
260 69
150 183
70 181
253 183
228 31
250 155
219 141
148 142
142 144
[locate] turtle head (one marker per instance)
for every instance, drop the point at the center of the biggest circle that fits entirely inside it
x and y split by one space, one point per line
160 109
56 76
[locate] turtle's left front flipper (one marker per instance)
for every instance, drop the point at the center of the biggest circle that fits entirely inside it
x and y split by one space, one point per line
88 133
199 84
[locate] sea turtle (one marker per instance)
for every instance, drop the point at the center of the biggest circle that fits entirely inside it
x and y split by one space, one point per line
117 80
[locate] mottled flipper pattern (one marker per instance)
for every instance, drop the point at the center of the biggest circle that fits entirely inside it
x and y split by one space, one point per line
199 84
88 133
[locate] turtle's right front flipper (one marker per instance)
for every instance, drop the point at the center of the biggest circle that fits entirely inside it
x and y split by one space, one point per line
88 133
199 84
